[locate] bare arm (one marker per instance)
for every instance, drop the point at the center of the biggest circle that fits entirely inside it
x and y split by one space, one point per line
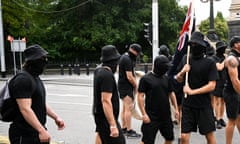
132 80
59 122
108 111
179 77
140 99
210 86
220 66
232 67
174 103
24 105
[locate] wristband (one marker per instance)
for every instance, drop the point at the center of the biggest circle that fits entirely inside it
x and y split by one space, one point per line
111 127
175 77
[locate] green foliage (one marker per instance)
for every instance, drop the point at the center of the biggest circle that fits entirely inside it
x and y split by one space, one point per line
145 58
73 30
171 20
220 26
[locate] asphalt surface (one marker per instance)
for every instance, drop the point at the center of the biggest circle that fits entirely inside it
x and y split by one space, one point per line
71 98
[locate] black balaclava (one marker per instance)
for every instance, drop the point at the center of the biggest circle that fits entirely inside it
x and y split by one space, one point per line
132 56
220 51
159 67
112 65
197 51
36 67
162 70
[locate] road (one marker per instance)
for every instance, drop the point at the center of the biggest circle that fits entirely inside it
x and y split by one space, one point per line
71 97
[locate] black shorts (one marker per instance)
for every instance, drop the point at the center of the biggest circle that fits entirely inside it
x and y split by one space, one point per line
232 104
150 130
103 129
218 92
17 135
26 140
126 92
193 118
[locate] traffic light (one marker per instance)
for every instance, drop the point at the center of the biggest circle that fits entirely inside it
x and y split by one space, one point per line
148 31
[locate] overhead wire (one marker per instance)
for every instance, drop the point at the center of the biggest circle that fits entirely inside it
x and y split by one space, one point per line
49 12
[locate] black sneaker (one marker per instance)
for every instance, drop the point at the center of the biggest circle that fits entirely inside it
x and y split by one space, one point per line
222 122
218 126
124 130
132 134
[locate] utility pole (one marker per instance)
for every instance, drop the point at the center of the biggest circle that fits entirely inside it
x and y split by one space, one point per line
211 35
155 36
2 54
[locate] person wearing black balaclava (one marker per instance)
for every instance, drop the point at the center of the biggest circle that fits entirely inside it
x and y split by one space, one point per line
28 126
127 86
217 94
106 99
154 91
231 92
164 50
197 111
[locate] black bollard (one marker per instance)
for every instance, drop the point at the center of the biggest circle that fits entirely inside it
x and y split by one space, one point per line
61 69
69 69
78 69
75 68
145 68
87 69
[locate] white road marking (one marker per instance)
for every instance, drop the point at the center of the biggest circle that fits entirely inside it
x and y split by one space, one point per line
70 103
66 95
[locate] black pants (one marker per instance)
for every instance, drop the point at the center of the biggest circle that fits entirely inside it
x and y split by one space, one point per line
26 140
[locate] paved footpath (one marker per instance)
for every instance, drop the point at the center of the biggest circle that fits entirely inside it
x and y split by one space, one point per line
83 123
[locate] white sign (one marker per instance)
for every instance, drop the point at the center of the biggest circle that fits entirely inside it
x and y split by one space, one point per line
18 46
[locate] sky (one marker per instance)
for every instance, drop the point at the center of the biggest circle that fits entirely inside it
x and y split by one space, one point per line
202 10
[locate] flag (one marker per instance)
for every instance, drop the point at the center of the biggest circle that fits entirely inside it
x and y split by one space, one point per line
181 48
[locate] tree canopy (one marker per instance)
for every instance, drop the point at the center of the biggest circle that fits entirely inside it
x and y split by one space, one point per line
76 30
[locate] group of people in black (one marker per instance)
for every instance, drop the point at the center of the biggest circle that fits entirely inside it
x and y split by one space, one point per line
208 83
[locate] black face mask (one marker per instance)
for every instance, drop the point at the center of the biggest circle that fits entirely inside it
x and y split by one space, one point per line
160 70
132 56
112 65
221 51
37 67
197 51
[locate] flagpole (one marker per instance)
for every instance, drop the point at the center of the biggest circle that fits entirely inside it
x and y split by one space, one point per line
155 38
188 48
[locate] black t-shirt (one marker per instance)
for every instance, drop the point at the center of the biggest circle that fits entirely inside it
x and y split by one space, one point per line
22 86
202 71
125 64
104 81
156 91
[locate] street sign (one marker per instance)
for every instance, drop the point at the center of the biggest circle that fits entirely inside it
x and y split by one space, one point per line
18 46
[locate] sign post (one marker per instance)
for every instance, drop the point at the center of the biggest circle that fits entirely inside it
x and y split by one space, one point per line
17 46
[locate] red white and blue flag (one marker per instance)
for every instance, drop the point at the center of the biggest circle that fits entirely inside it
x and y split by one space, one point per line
188 26
181 48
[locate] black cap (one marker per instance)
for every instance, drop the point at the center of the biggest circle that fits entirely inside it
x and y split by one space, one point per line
137 48
198 38
220 45
234 40
109 53
34 52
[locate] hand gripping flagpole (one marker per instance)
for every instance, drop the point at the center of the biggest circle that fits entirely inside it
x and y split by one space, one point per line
189 36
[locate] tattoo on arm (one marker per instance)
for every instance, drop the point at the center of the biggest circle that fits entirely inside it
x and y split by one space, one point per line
232 63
